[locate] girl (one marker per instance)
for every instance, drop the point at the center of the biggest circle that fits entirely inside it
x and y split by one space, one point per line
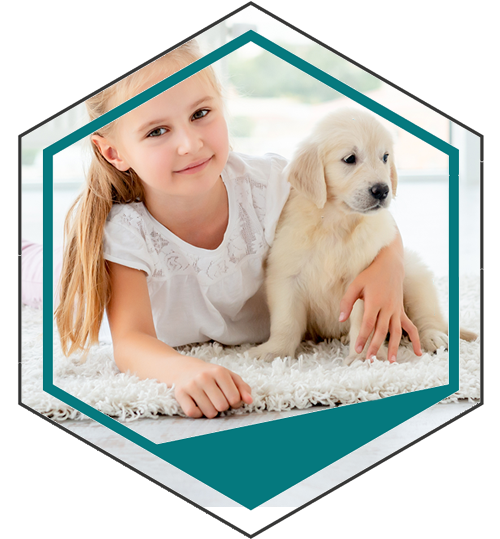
170 235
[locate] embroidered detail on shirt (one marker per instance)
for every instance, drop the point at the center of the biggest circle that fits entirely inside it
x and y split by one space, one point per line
158 241
247 232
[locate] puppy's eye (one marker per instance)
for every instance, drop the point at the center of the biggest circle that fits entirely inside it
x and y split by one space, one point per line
386 156
350 160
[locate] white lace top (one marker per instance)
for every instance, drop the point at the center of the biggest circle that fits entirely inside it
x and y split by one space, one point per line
200 294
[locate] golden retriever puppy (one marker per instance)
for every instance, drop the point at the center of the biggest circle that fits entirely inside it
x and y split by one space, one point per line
333 225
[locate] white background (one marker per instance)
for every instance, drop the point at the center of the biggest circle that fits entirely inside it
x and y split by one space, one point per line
55 53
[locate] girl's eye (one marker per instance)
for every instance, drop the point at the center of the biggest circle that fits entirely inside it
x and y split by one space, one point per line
200 114
386 156
157 132
350 160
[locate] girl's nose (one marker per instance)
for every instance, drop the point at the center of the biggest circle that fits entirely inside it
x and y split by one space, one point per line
188 142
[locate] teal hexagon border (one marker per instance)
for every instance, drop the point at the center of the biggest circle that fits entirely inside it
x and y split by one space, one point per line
268 456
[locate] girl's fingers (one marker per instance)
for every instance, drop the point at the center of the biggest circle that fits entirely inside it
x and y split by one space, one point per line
367 326
216 397
412 331
188 405
347 302
214 391
230 390
244 389
378 337
396 333
204 403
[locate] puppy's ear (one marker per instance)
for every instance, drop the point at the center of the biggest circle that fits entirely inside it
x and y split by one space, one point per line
306 173
394 178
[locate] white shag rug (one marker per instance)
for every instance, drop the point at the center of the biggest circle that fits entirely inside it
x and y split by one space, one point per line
316 377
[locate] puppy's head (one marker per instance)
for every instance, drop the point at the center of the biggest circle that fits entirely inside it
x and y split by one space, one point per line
348 161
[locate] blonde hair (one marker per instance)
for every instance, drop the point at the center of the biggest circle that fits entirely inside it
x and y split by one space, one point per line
84 286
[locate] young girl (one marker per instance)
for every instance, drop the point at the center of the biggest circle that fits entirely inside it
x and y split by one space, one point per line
170 235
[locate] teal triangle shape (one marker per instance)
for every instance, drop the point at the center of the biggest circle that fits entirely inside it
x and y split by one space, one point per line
253 464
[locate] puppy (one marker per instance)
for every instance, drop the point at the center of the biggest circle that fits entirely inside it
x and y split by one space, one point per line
334 223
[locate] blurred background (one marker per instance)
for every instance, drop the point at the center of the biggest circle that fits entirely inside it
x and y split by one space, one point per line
272 106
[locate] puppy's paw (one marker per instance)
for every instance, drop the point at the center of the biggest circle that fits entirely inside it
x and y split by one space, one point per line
351 358
255 352
267 352
432 339
467 335
344 339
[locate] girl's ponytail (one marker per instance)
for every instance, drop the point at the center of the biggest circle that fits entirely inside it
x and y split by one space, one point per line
84 284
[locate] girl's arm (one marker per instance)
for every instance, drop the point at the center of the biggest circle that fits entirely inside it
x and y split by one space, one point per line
380 286
200 388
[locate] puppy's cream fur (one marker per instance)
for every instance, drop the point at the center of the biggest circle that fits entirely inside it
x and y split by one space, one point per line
330 230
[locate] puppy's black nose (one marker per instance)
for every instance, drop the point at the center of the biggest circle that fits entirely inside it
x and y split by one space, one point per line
379 191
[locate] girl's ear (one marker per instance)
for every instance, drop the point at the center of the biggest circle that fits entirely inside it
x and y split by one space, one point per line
110 153
306 173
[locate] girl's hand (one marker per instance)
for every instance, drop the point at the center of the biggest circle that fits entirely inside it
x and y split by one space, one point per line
380 286
204 389
201 389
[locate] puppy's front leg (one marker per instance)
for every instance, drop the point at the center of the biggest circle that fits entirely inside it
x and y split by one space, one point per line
356 321
288 320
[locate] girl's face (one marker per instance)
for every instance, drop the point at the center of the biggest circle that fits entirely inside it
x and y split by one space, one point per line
177 143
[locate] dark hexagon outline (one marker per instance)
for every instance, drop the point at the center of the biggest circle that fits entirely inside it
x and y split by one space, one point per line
481 271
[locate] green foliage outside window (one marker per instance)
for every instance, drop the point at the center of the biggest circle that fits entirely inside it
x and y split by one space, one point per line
265 75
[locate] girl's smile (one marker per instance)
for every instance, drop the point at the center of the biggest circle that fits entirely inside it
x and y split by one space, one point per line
195 167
